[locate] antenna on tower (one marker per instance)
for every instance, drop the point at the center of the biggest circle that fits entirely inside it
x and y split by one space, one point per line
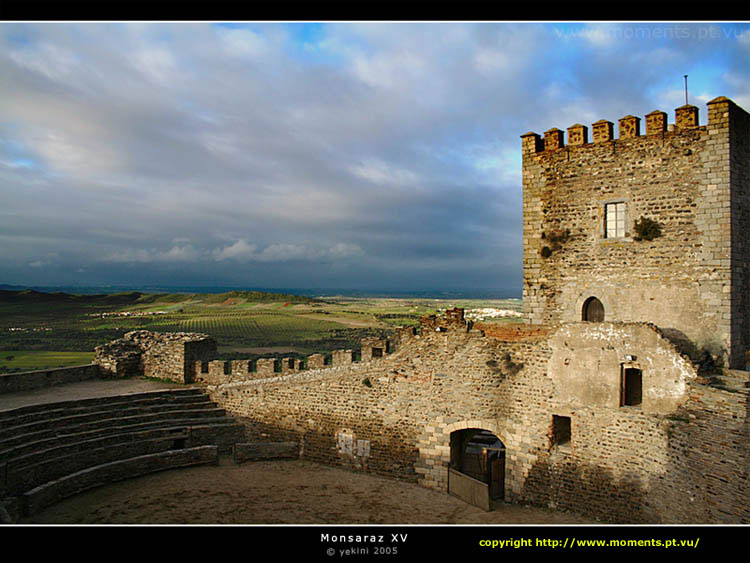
686 94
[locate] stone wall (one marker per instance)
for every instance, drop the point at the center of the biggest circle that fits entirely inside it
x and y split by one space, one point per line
30 380
691 179
169 356
623 463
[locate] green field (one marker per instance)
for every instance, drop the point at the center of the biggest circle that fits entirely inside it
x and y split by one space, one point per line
48 330
24 360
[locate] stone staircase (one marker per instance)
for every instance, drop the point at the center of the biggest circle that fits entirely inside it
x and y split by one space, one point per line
51 451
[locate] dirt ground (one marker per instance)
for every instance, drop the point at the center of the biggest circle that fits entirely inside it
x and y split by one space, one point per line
279 492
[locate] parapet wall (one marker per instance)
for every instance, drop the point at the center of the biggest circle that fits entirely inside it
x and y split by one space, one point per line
30 380
217 372
686 117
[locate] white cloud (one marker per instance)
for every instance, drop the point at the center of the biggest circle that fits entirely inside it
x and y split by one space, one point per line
244 43
240 250
287 252
378 172
156 63
50 60
489 61
345 250
185 253
77 156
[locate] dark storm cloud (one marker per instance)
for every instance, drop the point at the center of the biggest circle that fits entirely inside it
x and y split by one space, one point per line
356 154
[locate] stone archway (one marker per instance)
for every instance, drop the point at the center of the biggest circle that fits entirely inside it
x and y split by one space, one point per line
480 455
434 462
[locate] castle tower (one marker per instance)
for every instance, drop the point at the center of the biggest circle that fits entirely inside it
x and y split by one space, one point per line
650 227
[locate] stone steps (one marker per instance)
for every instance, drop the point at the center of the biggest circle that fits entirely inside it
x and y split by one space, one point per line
111 424
43 445
59 420
22 415
51 492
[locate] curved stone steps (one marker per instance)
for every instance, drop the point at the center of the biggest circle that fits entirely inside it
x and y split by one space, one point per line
177 417
51 492
60 420
55 449
21 479
168 395
49 451
27 444
30 414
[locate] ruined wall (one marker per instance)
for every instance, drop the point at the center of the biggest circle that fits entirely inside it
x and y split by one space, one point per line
170 356
689 278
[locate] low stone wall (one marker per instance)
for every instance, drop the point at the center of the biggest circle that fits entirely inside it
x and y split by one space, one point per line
50 493
30 380
265 450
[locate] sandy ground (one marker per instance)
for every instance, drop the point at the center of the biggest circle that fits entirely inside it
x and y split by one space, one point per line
279 492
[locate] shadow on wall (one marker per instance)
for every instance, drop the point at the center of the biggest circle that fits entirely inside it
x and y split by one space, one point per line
708 357
587 489
708 441
390 454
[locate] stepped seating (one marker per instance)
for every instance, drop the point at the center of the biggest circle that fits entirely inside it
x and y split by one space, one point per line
50 451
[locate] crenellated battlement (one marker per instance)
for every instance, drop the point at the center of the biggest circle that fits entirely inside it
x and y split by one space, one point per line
192 357
629 127
216 372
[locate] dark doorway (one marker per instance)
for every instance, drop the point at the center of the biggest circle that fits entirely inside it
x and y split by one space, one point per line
561 430
480 455
631 389
593 310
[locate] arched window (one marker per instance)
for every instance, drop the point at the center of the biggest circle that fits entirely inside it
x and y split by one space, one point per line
593 310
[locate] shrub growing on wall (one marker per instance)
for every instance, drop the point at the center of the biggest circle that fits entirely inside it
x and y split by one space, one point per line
647 229
556 240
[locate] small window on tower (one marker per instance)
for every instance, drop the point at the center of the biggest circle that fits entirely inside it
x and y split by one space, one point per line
614 220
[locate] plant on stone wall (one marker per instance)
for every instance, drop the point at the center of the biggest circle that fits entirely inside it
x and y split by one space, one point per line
506 366
556 240
646 229
366 382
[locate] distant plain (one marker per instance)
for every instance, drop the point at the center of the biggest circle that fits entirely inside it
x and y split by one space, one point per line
45 330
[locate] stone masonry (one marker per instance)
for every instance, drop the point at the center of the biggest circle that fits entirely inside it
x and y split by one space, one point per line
692 180
169 356
687 439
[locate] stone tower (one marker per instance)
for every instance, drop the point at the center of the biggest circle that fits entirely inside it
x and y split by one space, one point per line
650 226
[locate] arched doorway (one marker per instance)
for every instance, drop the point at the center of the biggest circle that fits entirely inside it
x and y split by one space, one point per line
593 310
477 468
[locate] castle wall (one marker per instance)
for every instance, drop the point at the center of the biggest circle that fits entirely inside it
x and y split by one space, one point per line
739 143
395 416
170 356
38 379
688 279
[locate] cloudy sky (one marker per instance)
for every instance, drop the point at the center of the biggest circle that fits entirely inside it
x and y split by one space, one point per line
350 155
